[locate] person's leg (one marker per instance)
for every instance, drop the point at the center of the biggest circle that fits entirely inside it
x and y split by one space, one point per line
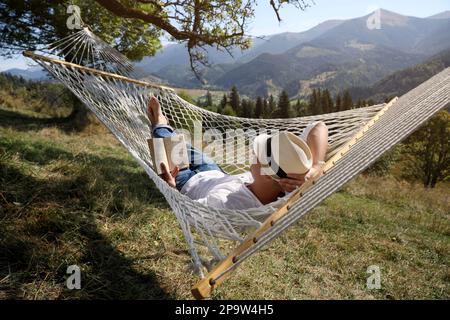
198 161
161 129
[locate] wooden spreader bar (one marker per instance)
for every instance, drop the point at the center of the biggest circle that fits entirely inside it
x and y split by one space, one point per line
35 56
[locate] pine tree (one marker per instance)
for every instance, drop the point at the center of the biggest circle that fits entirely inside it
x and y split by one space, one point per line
243 108
265 111
312 102
298 108
223 103
235 100
271 105
318 107
209 101
200 103
338 105
326 102
250 111
302 108
316 103
247 108
259 107
284 106
347 101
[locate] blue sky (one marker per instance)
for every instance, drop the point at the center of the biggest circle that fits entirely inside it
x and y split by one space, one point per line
294 20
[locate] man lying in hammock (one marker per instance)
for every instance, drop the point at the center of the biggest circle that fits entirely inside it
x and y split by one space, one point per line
205 182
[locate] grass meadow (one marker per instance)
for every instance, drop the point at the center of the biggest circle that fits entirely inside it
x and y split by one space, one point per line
78 198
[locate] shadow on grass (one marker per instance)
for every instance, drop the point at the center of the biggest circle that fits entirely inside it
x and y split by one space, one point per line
47 224
72 123
22 122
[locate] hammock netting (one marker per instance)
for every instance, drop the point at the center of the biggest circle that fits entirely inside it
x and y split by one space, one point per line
107 83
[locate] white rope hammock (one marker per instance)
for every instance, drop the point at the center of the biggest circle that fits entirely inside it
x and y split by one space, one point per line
105 81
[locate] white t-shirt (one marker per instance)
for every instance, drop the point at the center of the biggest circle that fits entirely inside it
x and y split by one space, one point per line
219 190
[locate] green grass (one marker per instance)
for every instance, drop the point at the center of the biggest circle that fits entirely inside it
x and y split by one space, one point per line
78 198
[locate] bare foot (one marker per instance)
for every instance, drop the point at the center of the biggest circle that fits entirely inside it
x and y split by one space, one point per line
154 112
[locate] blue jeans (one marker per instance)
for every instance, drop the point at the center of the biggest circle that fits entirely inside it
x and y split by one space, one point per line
198 161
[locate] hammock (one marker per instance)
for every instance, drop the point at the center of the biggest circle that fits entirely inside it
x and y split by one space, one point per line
107 83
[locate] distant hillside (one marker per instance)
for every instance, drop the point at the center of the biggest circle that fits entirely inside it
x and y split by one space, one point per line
338 68
172 62
403 81
35 73
442 15
335 54
347 55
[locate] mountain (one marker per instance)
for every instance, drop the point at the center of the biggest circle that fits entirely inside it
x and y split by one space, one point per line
335 54
407 34
405 80
349 54
34 73
172 62
282 42
442 15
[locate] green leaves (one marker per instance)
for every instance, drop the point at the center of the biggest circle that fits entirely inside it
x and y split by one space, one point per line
31 23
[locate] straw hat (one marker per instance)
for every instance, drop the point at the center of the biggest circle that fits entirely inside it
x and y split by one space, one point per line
282 153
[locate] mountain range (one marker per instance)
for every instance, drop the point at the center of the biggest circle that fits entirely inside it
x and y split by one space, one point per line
33 73
400 82
336 54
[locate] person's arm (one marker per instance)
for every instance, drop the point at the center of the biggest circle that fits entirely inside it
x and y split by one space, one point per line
318 143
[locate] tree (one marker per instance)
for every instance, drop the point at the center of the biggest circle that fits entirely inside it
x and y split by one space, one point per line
315 102
347 101
326 102
228 111
301 108
209 100
429 151
29 23
235 100
220 23
271 105
259 107
284 109
247 108
222 103
361 103
312 102
338 105
265 111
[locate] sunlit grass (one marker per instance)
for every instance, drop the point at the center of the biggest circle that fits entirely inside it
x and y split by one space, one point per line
69 198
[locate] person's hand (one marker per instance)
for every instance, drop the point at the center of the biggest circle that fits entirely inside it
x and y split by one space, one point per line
169 176
293 181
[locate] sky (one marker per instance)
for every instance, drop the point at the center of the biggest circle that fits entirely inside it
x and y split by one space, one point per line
294 20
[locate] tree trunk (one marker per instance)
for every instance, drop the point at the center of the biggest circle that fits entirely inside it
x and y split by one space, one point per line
79 117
